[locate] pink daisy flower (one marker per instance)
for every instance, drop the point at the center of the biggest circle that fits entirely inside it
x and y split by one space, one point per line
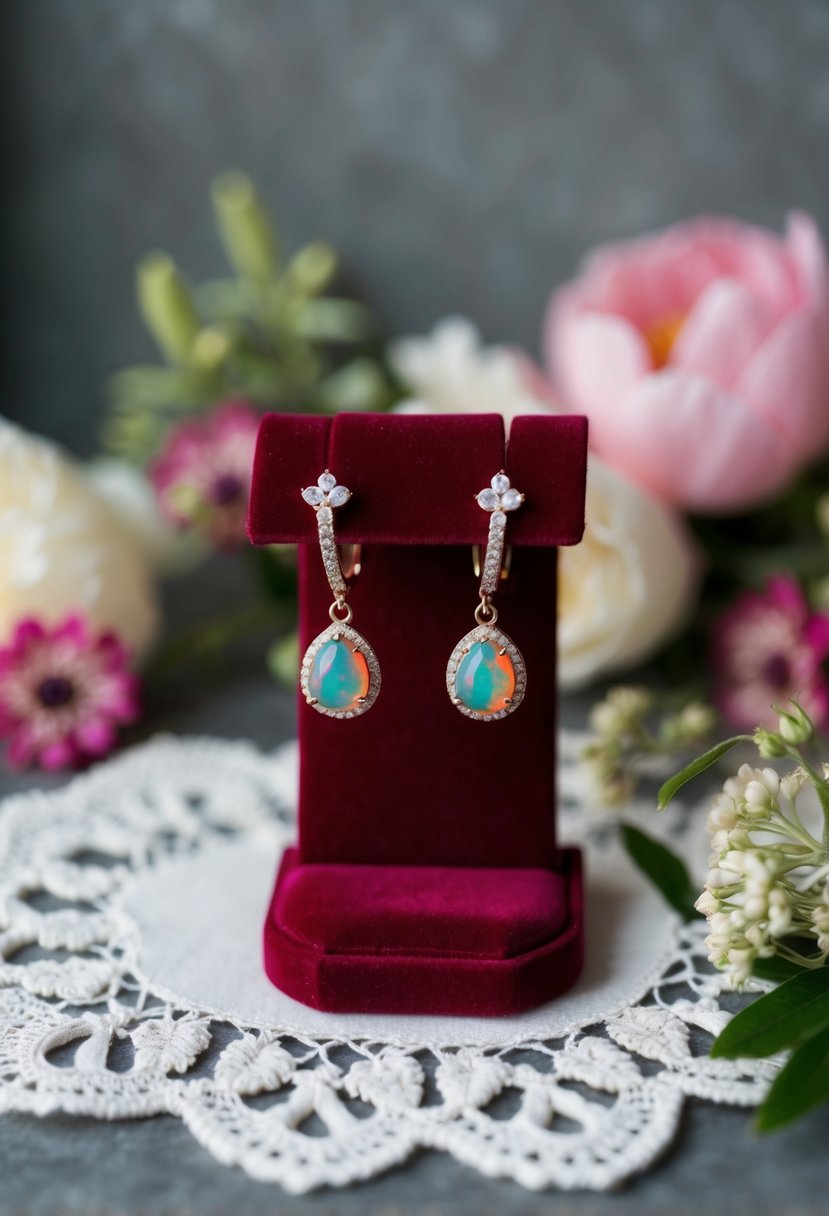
768 647
202 476
64 691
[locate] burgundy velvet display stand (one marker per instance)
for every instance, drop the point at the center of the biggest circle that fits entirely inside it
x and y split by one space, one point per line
427 878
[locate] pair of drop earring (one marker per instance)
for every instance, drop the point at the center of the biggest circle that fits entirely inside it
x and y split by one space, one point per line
340 675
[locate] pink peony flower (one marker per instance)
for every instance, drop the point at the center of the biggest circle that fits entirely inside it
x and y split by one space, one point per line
64 691
768 647
202 476
701 356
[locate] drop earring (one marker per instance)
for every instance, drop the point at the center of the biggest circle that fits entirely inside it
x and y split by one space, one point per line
486 677
340 675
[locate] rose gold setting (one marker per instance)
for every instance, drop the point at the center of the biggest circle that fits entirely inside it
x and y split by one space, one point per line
340 562
498 499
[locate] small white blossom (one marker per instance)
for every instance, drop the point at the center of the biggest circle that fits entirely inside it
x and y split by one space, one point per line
740 961
758 888
707 904
793 782
761 794
723 813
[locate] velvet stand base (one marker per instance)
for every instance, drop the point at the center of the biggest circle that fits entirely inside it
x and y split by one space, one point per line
436 939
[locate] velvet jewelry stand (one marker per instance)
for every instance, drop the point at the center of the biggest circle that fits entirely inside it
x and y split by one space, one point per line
427 878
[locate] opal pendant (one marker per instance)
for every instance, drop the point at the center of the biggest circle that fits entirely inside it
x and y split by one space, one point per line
486 677
340 675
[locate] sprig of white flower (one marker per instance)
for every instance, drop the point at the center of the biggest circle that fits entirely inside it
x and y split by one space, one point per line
769 879
625 739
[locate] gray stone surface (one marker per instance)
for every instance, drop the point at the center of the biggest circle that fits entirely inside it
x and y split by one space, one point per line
462 156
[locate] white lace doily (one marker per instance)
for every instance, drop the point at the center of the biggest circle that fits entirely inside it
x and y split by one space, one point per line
131 904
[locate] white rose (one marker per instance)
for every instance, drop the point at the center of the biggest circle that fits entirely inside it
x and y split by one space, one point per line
128 492
629 584
63 549
450 372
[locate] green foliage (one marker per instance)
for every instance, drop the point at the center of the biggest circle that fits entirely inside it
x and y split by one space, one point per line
782 1018
663 868
283 660
270 333
672 787
800 1086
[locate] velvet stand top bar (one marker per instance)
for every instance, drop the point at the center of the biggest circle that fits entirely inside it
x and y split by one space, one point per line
414 477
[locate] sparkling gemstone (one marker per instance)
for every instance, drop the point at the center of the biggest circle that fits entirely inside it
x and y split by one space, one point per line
500 483
339 675
338 496
313 495
326 481
499 518
511 500
485 679
488 499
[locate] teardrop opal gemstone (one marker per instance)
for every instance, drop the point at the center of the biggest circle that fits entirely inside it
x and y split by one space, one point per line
339 675
486 678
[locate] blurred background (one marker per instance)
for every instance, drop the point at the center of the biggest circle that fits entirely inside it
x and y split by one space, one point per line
461 156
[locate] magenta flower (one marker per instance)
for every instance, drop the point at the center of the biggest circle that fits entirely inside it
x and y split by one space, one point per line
768 647
202 476
64 691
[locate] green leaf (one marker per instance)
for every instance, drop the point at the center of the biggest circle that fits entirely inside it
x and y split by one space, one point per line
245 227
275 568
333 320
663 868
782 1018
703 762
166 306
359 385
801 1085
311 269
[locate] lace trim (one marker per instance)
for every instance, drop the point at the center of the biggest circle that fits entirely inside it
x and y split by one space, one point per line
84 1031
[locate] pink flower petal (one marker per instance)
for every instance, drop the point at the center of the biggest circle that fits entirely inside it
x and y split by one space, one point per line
808 255
95 737
58 755
594 356
816 634
233 418
112 651
721 333
787 382
690 443
654 276
782 591
21 748
745 706
72 629
28 630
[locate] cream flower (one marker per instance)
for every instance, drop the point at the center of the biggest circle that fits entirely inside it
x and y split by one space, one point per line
627 587
450 372
63 550
128 492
